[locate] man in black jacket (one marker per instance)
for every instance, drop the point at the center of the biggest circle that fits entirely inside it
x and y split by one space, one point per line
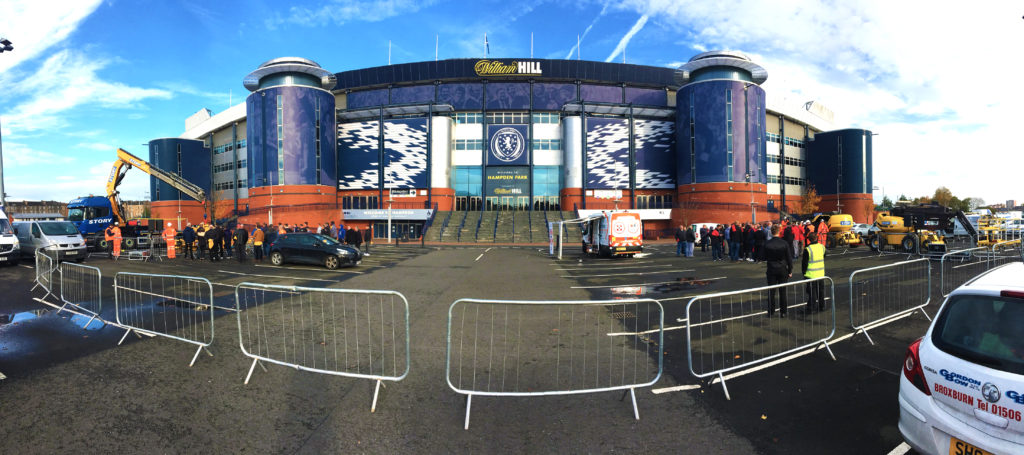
241 238
780 269
216 236
691 237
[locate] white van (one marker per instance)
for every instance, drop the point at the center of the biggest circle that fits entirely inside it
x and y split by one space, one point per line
10 247
60 236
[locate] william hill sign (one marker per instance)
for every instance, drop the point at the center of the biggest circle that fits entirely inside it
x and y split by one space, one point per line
500 68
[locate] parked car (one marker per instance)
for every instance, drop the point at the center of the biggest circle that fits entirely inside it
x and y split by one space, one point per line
306 248
10 247
862 229
61 237
962 387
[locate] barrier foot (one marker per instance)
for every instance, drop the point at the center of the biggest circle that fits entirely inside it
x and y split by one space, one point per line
86 326
198 350
636 412
866 335
469 402
829 349
925 313
251 368
62 307
125 336
724 388
34 287
376 392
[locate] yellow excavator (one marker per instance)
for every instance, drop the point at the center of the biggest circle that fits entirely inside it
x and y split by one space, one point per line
840 229
990 230
916 228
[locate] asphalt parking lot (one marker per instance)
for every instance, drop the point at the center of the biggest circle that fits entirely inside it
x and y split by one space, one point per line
70 388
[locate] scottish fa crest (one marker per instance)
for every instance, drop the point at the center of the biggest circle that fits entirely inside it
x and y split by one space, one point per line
508 144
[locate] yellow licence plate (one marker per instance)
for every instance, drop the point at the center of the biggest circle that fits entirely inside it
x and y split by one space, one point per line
621 248
958 447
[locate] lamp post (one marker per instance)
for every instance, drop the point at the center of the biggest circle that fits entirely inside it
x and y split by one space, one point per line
389 201
5 45
750 184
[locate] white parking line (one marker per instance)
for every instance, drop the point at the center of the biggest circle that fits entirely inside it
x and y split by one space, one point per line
900 449
616 267
313 270
676 388
478 257
276 276
650 284
629 273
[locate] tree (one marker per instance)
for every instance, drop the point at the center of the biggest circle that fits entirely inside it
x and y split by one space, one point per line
809 202
886 204
974 202
943 196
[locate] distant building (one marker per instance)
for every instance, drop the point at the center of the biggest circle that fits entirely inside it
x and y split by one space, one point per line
37 216
1011 203
36 207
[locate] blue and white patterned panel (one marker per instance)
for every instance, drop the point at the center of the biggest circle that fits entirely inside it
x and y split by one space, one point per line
655 155
607 153
358 156
405 153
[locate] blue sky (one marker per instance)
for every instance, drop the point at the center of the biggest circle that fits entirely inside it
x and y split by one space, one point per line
89 76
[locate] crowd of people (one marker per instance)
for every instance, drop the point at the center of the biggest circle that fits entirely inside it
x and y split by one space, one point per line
216 242
778 245
738 241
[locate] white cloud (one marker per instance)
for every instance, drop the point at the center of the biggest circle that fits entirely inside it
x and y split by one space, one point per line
66 80
621 47
34 26
604 10
934 82
339 12
18 155
98 146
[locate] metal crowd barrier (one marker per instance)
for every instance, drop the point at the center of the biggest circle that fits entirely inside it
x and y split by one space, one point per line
171 306
957 267
730 331
353 333
1005 253
46 263
539 348
879 295
81 288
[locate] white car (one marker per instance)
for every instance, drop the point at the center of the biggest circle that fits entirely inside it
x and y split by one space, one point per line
862 229
962 387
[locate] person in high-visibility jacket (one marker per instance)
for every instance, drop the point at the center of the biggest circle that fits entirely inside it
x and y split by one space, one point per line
813 266
115 238
822 233
108 236
168 236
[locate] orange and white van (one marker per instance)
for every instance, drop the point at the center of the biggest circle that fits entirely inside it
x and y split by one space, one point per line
613 234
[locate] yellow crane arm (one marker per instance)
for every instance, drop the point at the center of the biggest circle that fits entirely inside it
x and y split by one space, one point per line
126 161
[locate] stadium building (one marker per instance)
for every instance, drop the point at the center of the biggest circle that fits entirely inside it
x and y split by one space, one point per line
513 139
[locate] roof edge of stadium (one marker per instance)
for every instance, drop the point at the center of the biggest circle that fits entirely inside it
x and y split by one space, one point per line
462 69
289 65
734 59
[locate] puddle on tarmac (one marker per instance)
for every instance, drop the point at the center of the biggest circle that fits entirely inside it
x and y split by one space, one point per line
76 319
681 284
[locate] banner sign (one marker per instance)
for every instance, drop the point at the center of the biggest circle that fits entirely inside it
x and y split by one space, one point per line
507 145
510 68
645 214
396 192
508 181
382 214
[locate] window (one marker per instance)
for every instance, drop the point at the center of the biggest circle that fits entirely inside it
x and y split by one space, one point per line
728 133
693 143
469 144
545 117
547 144
547 180
507 117
280 140
467 181
468 117
984 330
359 202
654 201
241 143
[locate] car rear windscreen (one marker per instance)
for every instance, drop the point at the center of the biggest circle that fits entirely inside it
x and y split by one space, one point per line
988 330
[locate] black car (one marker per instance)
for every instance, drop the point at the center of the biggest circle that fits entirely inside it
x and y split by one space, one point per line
308 248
